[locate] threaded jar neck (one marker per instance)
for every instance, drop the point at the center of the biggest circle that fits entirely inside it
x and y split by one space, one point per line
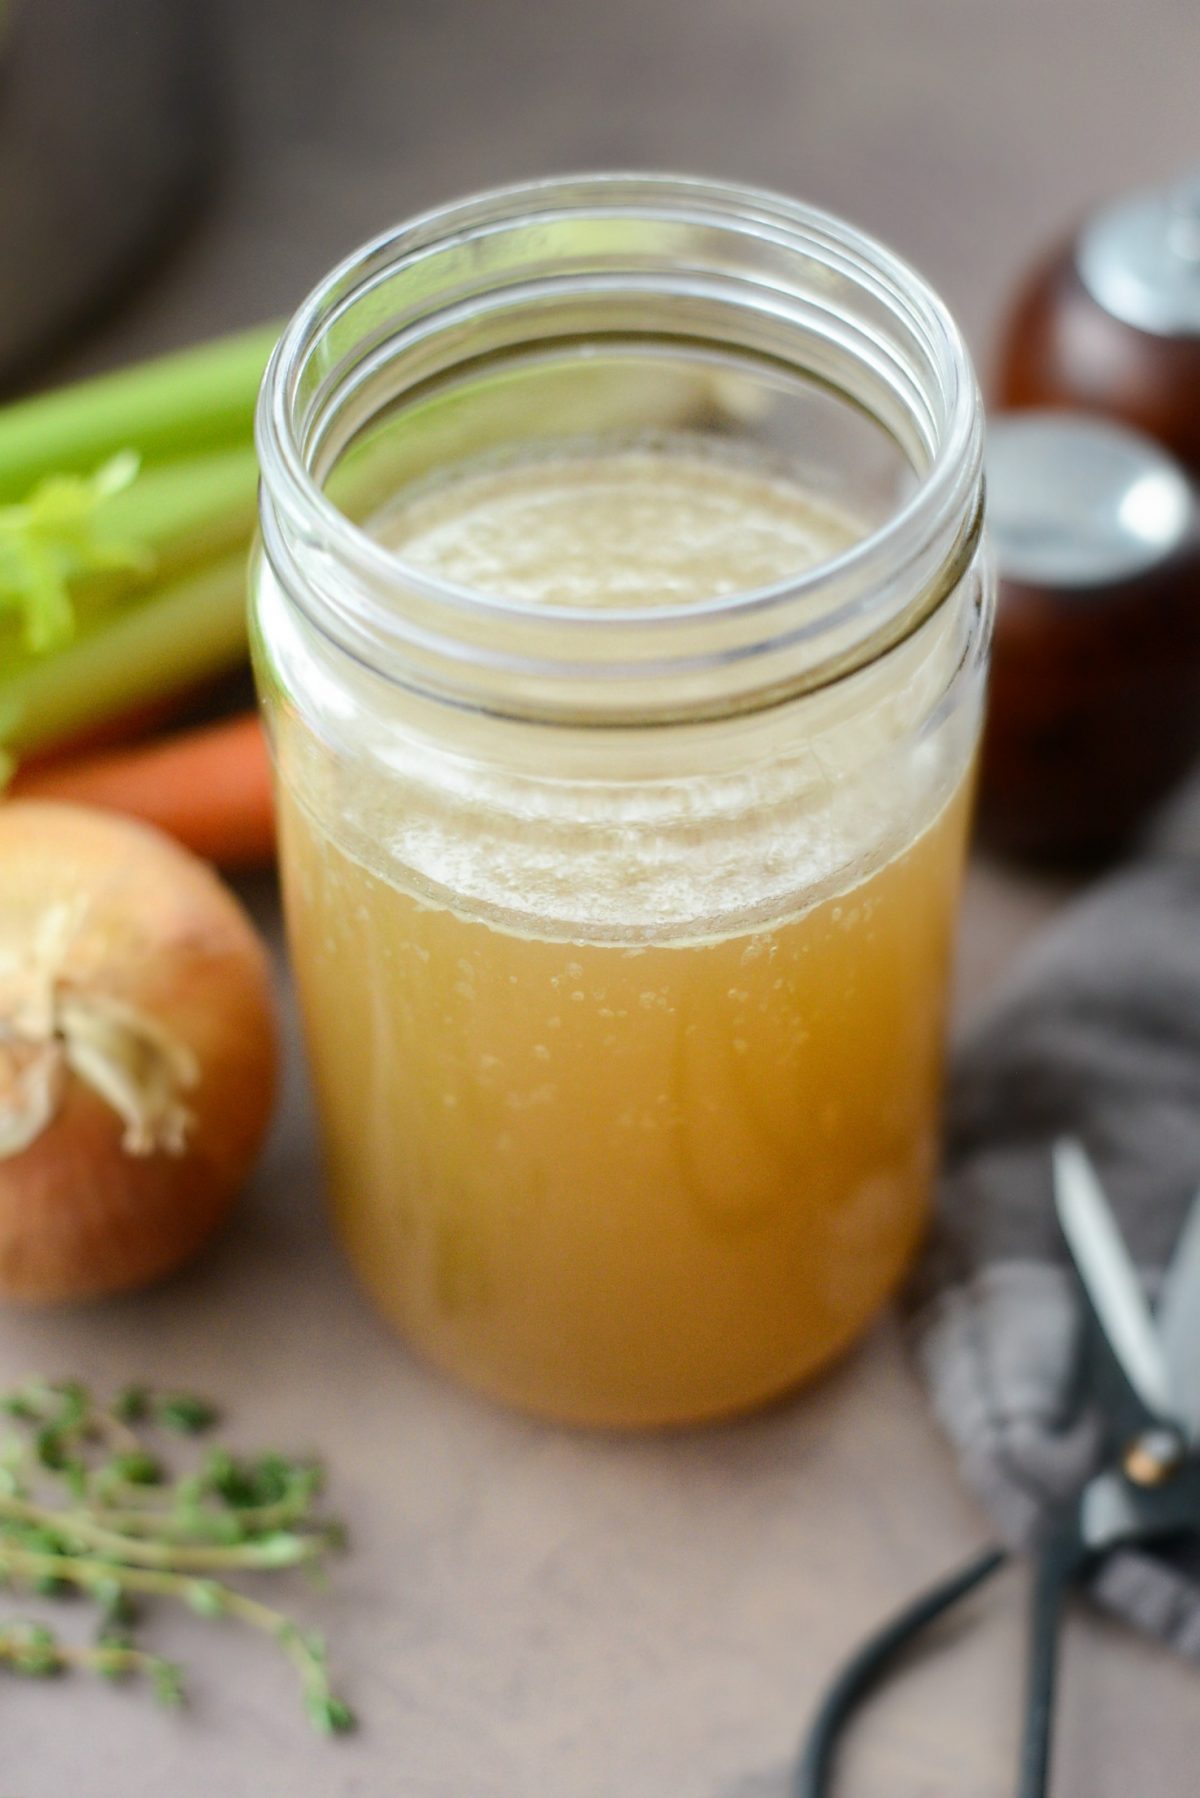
488 304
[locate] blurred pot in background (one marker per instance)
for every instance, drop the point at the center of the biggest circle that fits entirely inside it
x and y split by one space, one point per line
107 127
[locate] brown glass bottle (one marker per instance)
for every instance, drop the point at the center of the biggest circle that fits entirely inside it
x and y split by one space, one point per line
1109 321
1095 694
1061 347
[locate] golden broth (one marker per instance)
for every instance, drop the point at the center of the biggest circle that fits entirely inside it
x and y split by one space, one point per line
625 1181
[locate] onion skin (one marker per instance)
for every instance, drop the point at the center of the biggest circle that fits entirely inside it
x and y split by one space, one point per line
80 1216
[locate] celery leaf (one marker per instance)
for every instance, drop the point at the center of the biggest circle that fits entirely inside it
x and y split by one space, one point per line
54 537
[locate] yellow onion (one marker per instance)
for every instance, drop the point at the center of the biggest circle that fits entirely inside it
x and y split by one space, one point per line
137 1052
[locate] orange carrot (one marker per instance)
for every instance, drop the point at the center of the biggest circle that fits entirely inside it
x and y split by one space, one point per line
209 788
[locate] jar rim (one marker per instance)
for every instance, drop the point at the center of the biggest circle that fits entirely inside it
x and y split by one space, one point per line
850 594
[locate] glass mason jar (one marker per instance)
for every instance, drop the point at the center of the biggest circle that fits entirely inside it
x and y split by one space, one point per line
622 935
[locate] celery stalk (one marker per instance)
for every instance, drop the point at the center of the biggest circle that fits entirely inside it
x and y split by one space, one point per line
189 510
180 634
167 519
193 400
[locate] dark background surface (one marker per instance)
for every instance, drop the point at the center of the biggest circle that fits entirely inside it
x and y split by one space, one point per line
963 131
527 1613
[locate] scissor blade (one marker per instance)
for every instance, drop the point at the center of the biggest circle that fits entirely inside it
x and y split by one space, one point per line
1179 1324
1110 1277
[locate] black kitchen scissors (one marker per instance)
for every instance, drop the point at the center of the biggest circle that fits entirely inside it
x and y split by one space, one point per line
1142 1370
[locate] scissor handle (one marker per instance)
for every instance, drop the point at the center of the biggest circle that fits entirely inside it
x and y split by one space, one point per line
870 1665
1055 1569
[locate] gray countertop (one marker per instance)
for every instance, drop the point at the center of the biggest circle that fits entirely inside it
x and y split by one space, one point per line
526 1611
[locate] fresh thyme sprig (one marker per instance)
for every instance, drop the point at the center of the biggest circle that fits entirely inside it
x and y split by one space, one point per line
35 1649
87 1505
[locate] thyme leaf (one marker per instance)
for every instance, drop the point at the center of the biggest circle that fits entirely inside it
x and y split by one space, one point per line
89 1507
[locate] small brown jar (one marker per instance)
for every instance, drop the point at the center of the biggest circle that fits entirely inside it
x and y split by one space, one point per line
1094 710
1110 321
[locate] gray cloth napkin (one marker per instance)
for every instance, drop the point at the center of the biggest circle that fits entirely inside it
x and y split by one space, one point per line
1098 1035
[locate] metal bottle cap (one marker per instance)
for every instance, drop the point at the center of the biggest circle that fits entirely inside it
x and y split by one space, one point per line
1140 259
1080 501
